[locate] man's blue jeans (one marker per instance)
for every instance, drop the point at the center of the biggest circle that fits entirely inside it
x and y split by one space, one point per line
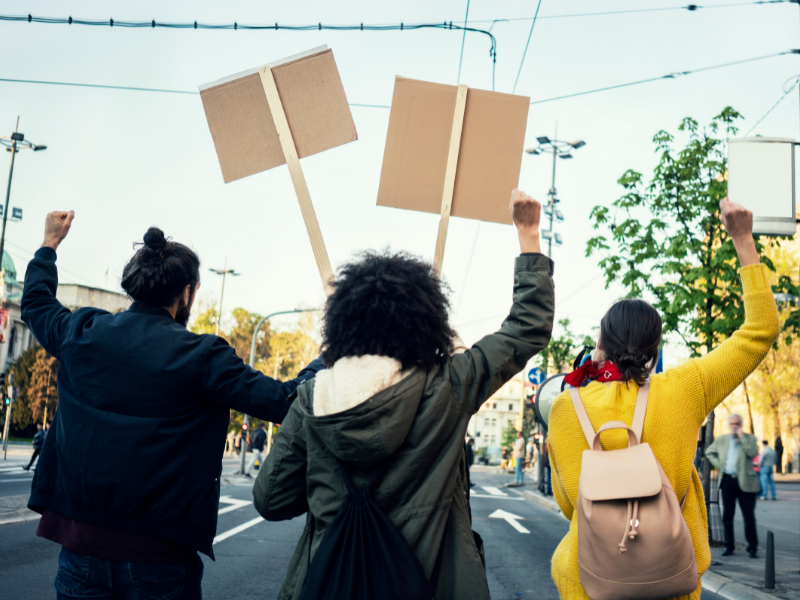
81 576
767 478
518 474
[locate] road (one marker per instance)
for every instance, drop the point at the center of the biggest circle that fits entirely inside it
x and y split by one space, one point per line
251 562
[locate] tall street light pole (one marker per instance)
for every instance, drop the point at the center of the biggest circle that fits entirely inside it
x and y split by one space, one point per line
14 143
559 149
223 272
253 365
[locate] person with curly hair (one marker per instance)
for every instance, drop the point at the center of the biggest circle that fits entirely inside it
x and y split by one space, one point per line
398 395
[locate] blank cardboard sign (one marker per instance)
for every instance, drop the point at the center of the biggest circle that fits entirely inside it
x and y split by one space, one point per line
761 178
418 141
242 126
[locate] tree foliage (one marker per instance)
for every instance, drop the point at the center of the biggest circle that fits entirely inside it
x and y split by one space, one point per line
43 390
21 415
557 357
664 238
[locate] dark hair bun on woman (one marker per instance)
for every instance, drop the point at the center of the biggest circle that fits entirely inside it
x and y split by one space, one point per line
630 336
154 239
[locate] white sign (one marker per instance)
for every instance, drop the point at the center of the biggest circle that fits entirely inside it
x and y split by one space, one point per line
761 178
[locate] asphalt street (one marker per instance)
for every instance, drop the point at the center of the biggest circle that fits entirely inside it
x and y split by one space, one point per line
252 555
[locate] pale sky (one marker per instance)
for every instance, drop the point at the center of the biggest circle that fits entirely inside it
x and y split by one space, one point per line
126 160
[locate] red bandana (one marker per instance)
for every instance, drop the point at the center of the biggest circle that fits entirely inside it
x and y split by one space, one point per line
592 371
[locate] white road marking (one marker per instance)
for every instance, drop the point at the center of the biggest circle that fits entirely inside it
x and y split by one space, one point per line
234 504
239 529
493 490
13 480
494 497
510 519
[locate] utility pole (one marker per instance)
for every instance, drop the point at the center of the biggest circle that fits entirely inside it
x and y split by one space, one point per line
7 426
13 144
224 271
559 149
253 365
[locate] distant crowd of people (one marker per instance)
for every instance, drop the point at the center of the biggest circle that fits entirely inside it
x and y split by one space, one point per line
371 445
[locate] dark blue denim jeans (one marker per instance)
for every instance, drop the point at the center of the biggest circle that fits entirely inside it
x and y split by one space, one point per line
81 576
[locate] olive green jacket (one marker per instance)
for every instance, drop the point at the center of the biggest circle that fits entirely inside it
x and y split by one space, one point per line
717 453
418 426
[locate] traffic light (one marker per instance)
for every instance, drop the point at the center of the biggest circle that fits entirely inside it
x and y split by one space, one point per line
244 426
530 395
536 437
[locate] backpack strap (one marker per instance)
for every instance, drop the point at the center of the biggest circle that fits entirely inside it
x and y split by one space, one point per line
583 418
640 410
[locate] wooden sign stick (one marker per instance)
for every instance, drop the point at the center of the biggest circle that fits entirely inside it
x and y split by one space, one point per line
298 179
450 178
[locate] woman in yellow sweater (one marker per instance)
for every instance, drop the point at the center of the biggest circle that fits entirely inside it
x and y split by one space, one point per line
679 400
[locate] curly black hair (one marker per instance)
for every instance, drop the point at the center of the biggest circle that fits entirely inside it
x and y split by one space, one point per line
388 304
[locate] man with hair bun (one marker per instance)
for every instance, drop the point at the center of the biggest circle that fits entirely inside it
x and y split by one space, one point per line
132 521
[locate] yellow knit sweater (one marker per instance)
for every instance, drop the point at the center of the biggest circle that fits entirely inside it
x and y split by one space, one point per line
679 401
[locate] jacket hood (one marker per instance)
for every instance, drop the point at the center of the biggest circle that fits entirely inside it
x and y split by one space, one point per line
362 408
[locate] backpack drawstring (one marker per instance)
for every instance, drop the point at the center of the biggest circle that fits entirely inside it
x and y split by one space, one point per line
630 524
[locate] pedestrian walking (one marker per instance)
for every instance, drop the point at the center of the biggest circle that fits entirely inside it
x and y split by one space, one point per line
230 443
38 441
470 449
383 429
676 403
257 441
779 454
732 454
766 463
519 459
137 516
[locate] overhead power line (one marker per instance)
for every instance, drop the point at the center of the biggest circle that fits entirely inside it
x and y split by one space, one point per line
673 75
793 81
688 7
603 89
525 52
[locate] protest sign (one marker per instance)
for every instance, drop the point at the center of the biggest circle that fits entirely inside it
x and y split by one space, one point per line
277 114
453 151
761 178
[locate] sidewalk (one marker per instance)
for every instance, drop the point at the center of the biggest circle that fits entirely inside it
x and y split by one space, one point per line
739 577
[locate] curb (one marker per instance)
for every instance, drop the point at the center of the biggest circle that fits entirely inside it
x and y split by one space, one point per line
730 589
541 501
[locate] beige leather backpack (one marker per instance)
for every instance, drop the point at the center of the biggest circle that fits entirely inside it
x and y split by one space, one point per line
633 542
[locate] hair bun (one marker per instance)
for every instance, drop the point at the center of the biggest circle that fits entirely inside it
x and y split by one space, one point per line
154 239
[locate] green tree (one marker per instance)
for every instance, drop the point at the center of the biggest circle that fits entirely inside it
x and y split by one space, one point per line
205 319
665 238
560 352
42 392
21 414
240 336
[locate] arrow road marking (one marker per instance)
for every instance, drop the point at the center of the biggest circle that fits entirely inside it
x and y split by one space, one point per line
234 504
239 529
493 490
508 518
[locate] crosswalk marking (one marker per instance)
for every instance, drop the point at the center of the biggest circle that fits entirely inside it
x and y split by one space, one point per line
239 529
493 490
495 497
234 504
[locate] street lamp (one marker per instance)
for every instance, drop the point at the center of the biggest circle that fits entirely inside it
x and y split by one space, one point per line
563 150
223 272
253 364
14 143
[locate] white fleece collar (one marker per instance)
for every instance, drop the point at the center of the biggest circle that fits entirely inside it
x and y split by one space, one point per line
353 380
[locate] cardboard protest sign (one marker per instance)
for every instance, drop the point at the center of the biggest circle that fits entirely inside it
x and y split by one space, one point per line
276 114
761 178
425 132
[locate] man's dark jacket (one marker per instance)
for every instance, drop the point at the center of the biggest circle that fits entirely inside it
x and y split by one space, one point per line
38 439
144 407
258 439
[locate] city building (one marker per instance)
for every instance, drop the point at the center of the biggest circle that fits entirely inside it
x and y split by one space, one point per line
496 415
16 336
